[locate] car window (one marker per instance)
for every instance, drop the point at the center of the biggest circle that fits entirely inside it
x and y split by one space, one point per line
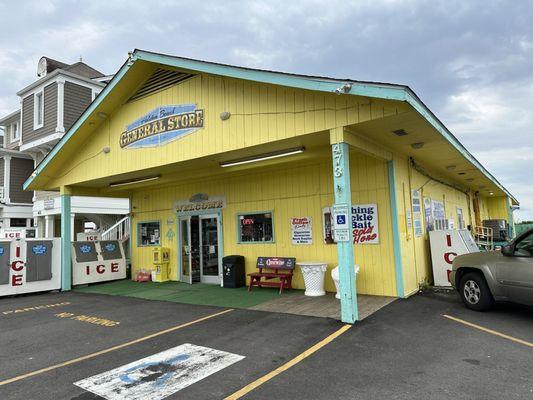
524 248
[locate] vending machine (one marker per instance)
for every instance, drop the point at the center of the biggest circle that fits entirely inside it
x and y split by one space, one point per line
445 246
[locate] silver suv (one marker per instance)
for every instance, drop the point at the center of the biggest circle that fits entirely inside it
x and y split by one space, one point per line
507 275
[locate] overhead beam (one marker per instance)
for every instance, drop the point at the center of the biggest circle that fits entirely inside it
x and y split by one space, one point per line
359 142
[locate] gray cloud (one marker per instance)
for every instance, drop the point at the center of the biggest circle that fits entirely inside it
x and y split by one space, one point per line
471 62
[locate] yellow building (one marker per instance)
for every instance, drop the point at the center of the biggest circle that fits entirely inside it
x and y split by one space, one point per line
221 160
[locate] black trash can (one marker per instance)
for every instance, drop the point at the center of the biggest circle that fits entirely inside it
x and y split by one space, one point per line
233 272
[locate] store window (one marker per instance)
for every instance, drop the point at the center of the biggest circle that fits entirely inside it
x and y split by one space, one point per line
148 233
256 228
18 222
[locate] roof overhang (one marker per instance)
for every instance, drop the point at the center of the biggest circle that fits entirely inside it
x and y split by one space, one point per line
9 116
55 73
322 84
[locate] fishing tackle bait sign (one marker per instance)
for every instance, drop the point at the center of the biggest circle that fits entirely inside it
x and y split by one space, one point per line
162 125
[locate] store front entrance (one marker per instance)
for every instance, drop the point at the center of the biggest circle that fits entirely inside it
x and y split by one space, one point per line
200 255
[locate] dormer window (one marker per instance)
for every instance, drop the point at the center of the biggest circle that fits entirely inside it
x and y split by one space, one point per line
15 132
38 110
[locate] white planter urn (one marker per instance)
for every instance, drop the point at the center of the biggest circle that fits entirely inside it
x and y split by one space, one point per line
335 277
313 274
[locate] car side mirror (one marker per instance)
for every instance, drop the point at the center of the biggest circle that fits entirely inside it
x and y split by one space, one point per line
507 250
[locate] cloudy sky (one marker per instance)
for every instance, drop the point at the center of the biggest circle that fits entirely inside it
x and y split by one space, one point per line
470 61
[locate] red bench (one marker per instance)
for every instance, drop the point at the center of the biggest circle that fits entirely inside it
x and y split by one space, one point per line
269 269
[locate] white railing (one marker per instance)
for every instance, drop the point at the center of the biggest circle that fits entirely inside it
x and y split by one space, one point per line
118 231
484 237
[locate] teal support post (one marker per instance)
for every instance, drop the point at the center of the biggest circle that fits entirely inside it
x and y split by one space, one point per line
398 267
345 253
510 219
66 261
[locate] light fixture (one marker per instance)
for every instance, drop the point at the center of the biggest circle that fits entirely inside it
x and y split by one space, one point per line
102 115
491 193
344 88
135 181
224 115
262 157
106 149
450 167
417 145
469 179
400 132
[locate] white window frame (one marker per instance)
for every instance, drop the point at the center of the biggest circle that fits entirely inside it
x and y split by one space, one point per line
12 137
94 94
36 124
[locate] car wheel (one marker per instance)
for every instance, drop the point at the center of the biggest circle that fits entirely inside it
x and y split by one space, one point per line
475 292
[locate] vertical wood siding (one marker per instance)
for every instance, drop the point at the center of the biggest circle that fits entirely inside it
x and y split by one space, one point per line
292 191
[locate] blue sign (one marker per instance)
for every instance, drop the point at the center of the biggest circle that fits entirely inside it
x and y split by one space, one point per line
2 250
162 125
85 248
110 247
341 219
39 249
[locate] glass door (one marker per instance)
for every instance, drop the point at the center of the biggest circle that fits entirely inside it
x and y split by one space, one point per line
209 260
195 248
185 249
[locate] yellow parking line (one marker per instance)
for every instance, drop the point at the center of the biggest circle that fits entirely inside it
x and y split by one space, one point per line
105 351
487 330
248 388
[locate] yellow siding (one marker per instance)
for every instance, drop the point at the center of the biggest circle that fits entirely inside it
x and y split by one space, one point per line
260 114
415 250
498 207
294 191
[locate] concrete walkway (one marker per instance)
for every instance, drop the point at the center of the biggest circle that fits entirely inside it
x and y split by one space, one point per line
324 306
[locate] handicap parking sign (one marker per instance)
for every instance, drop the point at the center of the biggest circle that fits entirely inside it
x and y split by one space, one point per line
341 219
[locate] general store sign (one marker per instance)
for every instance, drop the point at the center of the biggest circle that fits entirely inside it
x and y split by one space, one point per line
211 203
162 125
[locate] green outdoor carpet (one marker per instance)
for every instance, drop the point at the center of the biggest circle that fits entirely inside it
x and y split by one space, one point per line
198 293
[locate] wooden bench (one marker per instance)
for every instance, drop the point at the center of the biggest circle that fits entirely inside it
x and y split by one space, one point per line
269 268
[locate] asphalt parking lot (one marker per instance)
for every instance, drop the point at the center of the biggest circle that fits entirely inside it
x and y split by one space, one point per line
406 350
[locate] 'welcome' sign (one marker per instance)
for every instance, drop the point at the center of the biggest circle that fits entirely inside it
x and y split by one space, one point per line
162 125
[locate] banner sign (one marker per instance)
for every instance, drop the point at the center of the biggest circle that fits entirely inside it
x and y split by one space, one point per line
276 262
365 224
212 203
17 233
302 230
162 125
417 212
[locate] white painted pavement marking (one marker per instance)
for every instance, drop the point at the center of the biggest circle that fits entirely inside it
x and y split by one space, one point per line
159 375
